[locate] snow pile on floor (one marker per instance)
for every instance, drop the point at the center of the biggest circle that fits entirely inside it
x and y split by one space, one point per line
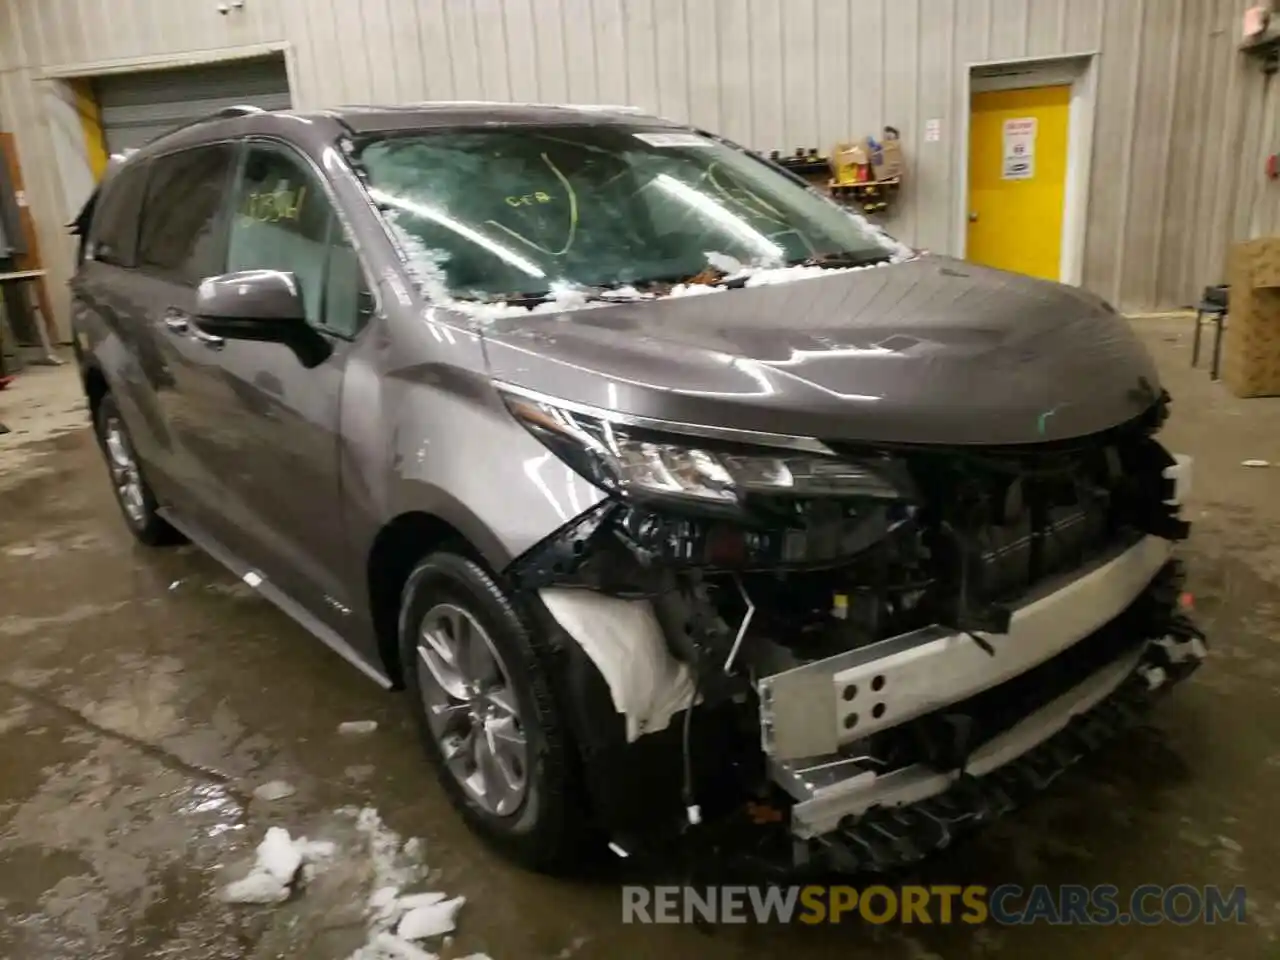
430 919
274 790
397 919
388 947
277 863
397 922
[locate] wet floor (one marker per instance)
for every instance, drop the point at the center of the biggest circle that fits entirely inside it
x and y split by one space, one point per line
145 695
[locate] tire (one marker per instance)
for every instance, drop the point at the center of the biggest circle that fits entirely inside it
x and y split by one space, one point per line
546 830
138 505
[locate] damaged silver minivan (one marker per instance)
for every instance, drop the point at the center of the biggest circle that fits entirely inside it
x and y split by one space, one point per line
687 507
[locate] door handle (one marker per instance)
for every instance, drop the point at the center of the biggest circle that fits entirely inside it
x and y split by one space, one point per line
209 340
973 216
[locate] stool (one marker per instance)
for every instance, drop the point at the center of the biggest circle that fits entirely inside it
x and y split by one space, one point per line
1213 304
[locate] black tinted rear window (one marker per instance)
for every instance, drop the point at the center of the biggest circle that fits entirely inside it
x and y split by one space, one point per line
182 233
114 234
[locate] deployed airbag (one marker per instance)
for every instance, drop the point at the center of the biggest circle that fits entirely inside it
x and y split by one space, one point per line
625 642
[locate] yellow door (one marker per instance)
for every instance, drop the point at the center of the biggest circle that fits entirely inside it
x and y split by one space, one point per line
1017 178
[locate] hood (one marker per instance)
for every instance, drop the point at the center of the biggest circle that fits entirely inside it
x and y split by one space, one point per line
932 351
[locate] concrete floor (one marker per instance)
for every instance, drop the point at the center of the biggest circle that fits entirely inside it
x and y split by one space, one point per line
145 694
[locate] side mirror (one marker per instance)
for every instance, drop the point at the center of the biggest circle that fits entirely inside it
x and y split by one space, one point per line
261 305
251 296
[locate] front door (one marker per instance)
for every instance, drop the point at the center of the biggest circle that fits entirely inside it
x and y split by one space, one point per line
1017 178
285 409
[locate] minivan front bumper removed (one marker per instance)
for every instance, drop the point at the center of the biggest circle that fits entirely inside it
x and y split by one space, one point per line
1089 651
863 755
1082 661
888 821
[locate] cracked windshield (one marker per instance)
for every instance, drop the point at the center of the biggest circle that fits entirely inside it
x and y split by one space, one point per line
518 213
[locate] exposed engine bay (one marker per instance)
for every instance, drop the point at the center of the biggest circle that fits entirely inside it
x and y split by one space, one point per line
837 645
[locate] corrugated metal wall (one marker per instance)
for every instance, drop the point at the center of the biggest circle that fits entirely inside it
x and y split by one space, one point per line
1173 96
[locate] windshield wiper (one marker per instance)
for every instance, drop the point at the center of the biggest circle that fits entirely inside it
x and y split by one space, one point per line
709 277
514 300
586 294
632 291
841 259
651 287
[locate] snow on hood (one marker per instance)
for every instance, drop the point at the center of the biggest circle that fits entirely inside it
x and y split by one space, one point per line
426 267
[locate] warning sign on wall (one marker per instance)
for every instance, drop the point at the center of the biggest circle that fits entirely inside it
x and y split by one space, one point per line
1019 149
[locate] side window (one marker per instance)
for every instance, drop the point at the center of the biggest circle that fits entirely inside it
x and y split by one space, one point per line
114 233
181 221
283 220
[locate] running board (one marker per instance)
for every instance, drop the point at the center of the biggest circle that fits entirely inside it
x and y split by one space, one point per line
269 591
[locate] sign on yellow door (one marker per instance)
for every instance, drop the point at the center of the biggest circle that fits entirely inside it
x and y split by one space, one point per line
1018 178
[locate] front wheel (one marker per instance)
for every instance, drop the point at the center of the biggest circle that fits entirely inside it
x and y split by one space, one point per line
484 705
133 494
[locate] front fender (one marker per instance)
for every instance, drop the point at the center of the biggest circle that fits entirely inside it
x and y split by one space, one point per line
414 496
458 454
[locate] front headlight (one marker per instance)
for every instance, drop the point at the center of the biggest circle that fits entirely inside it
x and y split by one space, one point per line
642 463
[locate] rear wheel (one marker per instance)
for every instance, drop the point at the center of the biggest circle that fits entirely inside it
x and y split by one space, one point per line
489 721
133 494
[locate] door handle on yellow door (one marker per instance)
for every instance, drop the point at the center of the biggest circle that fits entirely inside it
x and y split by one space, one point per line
973 216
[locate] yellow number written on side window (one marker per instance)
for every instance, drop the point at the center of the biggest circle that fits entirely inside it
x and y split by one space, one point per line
282 204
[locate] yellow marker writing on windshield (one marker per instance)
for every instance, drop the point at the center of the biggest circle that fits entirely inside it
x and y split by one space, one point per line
529 199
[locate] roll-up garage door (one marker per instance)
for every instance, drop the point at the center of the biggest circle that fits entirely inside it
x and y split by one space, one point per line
137 107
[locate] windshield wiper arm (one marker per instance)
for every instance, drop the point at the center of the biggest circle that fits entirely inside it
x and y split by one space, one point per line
588 294
841 260
613 293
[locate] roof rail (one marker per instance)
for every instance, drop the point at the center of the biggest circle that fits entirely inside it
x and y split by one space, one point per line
225 113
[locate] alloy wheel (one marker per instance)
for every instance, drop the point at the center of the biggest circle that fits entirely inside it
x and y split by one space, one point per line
471 708
124 471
